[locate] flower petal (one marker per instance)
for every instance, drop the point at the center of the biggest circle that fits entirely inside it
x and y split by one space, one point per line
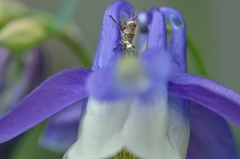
151 60
53 95
179 130
31 76
157 35
110 91
211 136
145 132
208 93
5 57
110 35
61 132
178 42
100 130
157 62
179 108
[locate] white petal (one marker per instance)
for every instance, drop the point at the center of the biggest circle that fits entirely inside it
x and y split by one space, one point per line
100 131
179 130
146 129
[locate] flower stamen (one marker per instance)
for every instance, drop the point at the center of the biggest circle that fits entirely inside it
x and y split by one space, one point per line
124 154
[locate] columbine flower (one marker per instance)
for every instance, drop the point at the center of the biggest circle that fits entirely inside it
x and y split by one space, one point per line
18 76
4 61
130 108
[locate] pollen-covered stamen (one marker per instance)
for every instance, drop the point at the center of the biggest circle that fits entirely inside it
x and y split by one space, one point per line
131 74
124 154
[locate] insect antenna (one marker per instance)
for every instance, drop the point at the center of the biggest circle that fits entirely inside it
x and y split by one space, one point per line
132 15
135 17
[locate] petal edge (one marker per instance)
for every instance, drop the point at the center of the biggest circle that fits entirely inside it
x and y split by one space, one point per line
53 95
208 93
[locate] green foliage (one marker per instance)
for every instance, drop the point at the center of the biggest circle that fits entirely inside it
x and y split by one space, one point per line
28 147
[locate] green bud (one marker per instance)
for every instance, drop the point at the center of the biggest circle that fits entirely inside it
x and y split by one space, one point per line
10 10
21 34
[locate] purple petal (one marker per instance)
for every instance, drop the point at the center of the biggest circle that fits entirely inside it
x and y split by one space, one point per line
62 128
178 42
103 78
151 60
31 76
35 69
5 57
210 137
157 36
56 93
208 93
110 35
157 62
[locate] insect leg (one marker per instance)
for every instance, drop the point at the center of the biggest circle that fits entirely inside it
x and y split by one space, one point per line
119 24
118 46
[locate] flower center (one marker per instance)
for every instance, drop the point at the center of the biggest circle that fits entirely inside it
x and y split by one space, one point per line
124 154
131 74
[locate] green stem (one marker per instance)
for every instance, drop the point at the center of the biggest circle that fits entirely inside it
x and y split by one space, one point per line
78 48
28 148
63 17
63 34
197 57
66 12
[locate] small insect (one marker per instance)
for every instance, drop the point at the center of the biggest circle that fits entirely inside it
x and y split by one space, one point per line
128 48
129 29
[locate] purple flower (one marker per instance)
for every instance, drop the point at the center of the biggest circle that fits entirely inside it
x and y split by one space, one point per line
4 61
18 76
148 105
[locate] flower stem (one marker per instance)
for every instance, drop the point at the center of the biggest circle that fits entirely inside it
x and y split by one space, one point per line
197 57
28 148
63 17
66 12
77 47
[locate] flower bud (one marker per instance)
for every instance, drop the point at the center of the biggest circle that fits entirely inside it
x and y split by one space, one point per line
10 10
22 34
